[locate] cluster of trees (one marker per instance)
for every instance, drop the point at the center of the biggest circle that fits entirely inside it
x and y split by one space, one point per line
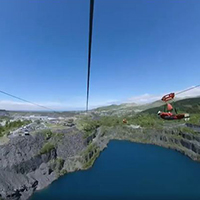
12 125
1 131
47 148
145 120
88 125
16 124
47 133
195 119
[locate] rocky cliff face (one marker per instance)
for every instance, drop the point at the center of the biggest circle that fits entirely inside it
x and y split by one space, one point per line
23 168
186 143
33 162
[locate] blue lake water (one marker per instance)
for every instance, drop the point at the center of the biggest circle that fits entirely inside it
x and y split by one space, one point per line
130 171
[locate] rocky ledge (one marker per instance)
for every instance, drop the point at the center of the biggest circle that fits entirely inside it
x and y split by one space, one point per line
33 162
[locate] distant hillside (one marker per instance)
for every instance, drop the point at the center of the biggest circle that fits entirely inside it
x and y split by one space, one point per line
115 106
150 105
191 105
110 107
4 113
125 108
117 109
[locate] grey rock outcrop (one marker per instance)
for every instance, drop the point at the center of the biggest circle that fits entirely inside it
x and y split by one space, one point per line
186 143
23 168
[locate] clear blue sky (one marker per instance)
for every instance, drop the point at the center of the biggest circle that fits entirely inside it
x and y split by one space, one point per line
139 46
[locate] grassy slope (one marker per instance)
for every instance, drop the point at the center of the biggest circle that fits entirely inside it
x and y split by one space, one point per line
191 105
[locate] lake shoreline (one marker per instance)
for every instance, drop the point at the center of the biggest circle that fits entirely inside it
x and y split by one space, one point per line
121 162
53 164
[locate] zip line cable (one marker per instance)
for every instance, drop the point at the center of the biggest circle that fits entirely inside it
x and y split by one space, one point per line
89 56
191 88
21 99
188 89
89 50
89 63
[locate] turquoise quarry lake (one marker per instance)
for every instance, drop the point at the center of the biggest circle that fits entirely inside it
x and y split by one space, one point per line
130 171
